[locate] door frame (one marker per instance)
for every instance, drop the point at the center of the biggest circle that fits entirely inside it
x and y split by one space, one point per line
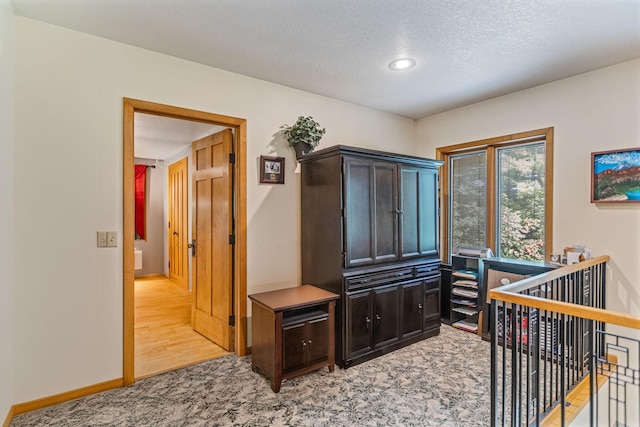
130 107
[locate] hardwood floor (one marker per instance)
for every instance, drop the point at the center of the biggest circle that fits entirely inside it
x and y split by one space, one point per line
164 340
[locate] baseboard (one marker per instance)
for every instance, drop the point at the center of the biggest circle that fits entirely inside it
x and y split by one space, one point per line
7 420
152 276
21 408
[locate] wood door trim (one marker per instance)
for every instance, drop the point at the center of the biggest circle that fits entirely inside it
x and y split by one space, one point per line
131 106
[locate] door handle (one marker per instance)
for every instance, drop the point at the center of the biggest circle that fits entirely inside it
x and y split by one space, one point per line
175 233
367 321
192 245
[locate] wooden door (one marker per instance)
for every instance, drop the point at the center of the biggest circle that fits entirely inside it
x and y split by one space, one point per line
371 222
212 231
177 227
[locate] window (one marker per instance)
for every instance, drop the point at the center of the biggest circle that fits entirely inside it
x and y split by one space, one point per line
496 193
468 190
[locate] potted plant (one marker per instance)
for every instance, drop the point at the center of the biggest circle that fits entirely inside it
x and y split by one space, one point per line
304 135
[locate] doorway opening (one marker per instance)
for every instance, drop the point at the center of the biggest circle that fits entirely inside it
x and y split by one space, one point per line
238 322
164 339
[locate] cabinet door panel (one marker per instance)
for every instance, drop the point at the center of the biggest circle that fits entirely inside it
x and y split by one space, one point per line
409 230
358 206
293 338
386 315
432 309
371 216
419 214
412 308
359 323
432 282
386 213
317 341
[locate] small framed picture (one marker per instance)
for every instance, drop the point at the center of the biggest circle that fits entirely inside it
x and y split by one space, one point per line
615 176
271 170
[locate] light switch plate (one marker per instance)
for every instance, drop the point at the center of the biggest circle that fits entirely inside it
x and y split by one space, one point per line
102 239
112 239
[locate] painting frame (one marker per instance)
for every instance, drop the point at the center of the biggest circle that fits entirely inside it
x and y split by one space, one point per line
271 170
615 176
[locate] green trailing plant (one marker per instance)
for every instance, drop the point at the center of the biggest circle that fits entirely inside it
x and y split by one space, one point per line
305 130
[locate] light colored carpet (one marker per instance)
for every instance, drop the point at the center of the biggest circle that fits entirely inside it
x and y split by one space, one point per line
442 381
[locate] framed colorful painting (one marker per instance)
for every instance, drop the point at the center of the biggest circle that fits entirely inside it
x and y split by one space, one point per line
615 176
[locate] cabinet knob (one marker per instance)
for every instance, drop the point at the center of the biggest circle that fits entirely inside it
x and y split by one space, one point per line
304 343
309 345
419 306
368 321
378 319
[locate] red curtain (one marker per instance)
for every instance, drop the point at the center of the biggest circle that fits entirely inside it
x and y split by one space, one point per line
140 190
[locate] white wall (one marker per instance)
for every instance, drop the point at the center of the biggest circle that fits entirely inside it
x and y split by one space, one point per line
153 246
591 112
7 280
69 90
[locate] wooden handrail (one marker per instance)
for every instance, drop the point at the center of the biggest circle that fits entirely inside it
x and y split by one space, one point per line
534 281
511 293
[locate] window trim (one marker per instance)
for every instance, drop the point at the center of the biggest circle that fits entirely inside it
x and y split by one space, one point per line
490 145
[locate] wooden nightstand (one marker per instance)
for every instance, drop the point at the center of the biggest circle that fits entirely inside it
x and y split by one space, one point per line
293 332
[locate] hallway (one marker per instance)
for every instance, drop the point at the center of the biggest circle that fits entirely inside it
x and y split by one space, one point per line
164 340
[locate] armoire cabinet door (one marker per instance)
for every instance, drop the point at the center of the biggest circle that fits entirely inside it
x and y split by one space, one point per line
432 309
418 212
412 308
359 323
370 212
386 316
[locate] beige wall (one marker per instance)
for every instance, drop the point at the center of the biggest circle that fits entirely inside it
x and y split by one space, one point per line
69 90
591 112
7 281
596 111
69 86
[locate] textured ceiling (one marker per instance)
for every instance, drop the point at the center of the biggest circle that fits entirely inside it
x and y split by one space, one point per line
466 50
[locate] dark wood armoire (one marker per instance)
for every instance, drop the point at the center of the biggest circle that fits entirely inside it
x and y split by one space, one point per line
369 224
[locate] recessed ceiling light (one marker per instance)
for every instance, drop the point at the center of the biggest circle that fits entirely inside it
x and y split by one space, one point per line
402 64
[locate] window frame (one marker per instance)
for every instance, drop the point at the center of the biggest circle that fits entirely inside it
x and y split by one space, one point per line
490 145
